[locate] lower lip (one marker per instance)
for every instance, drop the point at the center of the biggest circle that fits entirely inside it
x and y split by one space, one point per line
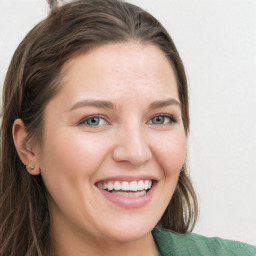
130 202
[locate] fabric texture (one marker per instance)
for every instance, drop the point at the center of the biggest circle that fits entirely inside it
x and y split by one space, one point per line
190 244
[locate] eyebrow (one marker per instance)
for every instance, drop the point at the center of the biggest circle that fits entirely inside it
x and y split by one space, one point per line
110 105
164 103
94 103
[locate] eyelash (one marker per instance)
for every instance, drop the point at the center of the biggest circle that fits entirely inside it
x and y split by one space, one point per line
85 120
171 118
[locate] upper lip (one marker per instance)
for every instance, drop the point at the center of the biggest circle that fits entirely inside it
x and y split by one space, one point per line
127 178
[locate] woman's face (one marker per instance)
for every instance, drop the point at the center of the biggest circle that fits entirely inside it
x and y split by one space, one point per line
115 125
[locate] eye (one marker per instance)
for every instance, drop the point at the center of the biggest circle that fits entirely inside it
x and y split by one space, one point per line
94 121
162 119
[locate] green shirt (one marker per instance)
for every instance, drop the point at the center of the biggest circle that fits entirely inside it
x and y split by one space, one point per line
173 244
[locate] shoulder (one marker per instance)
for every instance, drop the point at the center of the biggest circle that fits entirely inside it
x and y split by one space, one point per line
173 244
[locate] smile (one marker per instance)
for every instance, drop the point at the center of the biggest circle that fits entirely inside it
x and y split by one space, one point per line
127 192
126 188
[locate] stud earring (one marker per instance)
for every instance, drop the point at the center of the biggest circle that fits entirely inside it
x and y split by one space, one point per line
33 169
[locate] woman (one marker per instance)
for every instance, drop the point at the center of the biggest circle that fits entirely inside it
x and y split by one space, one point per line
95 119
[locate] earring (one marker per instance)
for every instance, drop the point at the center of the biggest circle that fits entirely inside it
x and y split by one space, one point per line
33 169
30 168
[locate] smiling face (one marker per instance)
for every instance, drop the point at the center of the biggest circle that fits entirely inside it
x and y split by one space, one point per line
113 144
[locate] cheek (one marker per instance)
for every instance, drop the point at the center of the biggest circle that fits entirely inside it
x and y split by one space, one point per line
171 154
73 153
68 167
69 163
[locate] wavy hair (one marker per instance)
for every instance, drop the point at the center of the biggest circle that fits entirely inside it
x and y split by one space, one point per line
34 77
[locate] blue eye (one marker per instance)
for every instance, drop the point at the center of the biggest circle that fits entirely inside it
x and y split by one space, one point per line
94 121
162 119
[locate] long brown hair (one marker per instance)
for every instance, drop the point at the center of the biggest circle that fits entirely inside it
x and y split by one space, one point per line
34 77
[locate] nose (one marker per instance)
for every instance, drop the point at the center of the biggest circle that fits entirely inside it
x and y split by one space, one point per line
132 147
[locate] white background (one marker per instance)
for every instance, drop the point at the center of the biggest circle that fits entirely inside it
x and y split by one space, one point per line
217 42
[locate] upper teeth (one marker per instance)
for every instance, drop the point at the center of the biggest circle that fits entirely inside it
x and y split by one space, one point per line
125 185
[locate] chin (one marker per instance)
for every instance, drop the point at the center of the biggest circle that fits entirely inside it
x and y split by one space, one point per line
129 233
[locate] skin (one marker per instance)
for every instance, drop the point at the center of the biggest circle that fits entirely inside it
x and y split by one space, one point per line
127 142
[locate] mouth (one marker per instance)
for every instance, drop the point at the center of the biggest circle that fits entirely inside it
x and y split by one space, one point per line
127 188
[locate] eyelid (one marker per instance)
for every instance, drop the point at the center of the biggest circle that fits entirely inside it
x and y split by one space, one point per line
172 118
83 120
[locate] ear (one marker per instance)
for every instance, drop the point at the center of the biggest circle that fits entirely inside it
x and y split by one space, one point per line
24 148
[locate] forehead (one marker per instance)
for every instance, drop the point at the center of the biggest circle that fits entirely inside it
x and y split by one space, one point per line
120 69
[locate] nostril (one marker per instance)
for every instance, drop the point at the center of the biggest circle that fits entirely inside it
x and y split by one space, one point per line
132 146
